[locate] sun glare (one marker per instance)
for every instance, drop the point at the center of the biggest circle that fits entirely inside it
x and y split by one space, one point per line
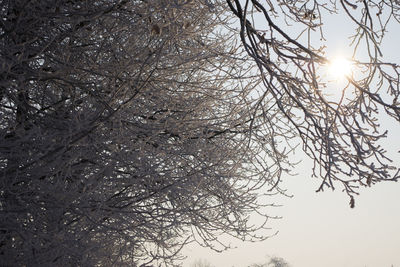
340 67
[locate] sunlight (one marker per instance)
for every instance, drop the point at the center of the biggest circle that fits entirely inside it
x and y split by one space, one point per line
336 74
340 67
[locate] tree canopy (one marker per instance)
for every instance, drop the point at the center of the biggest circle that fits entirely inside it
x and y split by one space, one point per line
129 128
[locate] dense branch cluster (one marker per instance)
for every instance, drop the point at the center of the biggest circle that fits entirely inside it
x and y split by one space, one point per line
125 132
129 128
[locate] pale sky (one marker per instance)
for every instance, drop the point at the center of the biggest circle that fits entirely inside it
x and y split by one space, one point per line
319 229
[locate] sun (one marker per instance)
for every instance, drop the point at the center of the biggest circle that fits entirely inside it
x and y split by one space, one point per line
338 74
340 67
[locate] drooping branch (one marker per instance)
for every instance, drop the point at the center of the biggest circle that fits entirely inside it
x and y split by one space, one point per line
342 137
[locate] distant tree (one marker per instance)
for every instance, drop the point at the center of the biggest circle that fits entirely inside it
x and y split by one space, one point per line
258 265
277 262
201 263
273 262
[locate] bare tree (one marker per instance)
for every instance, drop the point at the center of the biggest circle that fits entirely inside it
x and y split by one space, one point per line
342 136
130 128
127 130
273 262
201 263
278 262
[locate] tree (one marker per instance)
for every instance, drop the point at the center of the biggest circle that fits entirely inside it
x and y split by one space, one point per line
127 131
341 135
278 262
273 262
201 263
130 128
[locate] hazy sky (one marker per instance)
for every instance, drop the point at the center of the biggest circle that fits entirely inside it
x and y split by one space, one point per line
319 229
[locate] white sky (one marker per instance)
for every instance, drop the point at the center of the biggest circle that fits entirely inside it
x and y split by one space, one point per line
319 229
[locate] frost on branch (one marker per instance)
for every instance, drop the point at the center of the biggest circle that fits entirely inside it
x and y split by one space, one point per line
127 130
343 137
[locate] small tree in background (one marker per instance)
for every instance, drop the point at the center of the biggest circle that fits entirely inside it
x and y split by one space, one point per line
277 262
201 263
273 262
